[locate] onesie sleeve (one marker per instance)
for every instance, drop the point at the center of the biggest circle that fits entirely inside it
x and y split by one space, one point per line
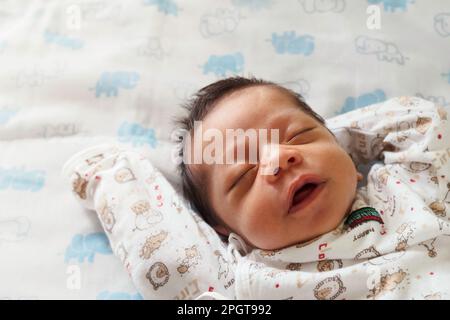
166 248
405 130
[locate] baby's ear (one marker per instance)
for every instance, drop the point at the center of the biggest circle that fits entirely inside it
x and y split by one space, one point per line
359 176
222 230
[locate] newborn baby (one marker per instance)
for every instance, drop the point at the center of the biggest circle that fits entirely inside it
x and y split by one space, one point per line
298 224
311 189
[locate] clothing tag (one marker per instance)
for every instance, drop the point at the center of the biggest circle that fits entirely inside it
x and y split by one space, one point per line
238 243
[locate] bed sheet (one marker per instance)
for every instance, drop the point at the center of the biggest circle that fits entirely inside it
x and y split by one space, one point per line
78 73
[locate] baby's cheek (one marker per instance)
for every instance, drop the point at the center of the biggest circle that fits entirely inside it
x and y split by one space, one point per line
259 212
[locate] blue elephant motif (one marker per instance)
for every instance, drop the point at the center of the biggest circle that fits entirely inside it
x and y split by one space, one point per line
62 40
253 5
86 246
442 24
6 114
220 65
110 82
392 5
106 295
22 180
3 45
165 6
366 99
289 42
384 51
137 134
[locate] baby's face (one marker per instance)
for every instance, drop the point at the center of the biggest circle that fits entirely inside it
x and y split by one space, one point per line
259 206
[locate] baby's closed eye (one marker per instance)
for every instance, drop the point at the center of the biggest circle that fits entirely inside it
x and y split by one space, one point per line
245 175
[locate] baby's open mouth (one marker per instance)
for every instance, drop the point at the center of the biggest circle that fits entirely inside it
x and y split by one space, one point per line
303 193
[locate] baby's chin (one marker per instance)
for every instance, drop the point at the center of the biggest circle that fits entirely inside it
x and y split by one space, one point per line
330 225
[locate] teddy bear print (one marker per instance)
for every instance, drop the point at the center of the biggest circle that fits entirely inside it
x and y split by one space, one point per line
224 268
408 101
95 159
429 245
328 265
152 244
388 283
423 124
381 178
294 266
122 254
330 288
439 206
158 275
368 253
388 205
403 131
106 215
146 216
192 256
405 232
124 175
433 296
268 253
79 185
415 166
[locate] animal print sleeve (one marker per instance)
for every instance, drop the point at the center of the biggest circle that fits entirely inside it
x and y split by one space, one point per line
409 131
397 130
166 248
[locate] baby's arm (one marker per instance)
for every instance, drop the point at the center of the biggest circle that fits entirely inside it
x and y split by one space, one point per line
394 130
400 130
167 250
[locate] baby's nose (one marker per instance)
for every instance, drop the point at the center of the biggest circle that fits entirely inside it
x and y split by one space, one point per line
278 158
289 156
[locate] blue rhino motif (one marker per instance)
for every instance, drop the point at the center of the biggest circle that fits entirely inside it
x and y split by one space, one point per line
22 180
392 5
289 42
165 6
352 103
446 75
137 134
219 65
106 295
88 245
110 82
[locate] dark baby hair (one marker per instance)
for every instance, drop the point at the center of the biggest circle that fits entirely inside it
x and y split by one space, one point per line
198 107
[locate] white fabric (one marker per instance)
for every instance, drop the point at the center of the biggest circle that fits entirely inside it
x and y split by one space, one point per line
78 73
401 253
169 252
